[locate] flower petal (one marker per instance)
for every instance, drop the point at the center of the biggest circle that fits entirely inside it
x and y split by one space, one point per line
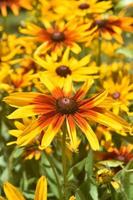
41 189
52 130
12 193
87 130
72 133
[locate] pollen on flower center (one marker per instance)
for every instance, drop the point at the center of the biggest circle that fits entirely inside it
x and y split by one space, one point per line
58 36
84 6
63 71
116 95
66 105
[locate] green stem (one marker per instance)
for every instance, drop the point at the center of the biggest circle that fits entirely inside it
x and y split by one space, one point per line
55 174
64 163
99 51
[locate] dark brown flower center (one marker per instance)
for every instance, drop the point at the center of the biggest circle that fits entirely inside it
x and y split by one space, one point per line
63 71
66 105
116 95
84 6
58 36
100 23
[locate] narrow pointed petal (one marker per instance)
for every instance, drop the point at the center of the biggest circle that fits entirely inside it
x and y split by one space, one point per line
108 119
41 189
52 130
26 111
83 90
33 130
12 193
95 100
55 91
87 130
72 133
21 98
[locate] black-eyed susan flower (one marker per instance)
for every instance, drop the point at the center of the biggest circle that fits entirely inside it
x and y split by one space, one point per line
62 107
84 8
121 91
14 5
66 68
123 154
111 27
55 36
13 193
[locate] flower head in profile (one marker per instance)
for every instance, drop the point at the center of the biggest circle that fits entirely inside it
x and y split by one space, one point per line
14 5
55 36
13 193
124 153
66 68
62 108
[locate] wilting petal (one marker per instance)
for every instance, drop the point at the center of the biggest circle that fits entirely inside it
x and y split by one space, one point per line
72 132
52 130
12 193
87 130
41 189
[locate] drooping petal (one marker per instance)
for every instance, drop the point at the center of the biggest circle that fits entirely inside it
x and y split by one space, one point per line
34 129
41 189
72 132
12 193
87 130
108 119
52 130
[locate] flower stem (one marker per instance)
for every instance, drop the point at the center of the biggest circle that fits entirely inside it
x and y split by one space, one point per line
99 51
55 174
64 163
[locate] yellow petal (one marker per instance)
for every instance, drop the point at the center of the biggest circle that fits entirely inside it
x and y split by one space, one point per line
12 193
22 112
41 189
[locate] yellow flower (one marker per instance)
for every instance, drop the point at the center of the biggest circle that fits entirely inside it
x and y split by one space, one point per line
66 68
111 27
59 107
13 193
51 9
121 91
55 36
14 6
83 8
9 48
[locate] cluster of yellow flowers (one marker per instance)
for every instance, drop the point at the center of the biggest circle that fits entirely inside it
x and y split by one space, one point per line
66 69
